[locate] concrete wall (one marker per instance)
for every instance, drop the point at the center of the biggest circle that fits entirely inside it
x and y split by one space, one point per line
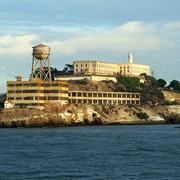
88 77
105 68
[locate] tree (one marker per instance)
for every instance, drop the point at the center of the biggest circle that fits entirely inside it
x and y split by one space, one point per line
67 70
152 81
175 85
161 83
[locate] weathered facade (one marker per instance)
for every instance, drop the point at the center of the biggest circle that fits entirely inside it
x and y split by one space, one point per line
36 94
103 98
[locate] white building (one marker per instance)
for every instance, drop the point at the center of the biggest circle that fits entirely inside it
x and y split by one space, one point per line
110 69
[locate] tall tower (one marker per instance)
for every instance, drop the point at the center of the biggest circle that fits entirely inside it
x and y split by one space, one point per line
41 67
130 58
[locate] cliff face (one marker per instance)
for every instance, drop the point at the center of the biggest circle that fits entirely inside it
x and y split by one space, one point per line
171 96
85 115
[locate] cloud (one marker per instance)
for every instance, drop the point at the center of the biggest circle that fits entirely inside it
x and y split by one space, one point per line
132 36
156 44
16 45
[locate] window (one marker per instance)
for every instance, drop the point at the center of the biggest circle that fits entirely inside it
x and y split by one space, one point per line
18 98
28 98
74 101
73 94
137 102
10 91
10 98
124 95
30 91
53 98
109 95
137 95
104 95
84 101
18 84
51 91
18 91
10 85
42 98
79 100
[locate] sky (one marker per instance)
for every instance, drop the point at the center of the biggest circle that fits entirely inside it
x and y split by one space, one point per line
104 30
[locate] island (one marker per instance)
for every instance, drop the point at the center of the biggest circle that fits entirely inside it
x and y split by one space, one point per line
88 92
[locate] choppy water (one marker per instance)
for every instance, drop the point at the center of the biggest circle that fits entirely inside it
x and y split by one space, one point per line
98 152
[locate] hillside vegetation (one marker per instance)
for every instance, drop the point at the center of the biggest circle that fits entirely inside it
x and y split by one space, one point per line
151 91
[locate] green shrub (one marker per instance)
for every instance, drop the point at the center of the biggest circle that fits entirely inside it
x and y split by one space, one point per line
158 93
142 115
161 83
129 82
175 85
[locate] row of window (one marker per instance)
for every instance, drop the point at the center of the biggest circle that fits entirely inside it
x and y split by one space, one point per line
37 91
86 65
28 104
37 85
79 94
106 102
38 98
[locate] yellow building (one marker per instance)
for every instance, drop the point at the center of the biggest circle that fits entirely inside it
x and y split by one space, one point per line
109 69
36 94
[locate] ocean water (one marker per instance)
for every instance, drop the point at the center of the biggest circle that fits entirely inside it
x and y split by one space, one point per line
92 153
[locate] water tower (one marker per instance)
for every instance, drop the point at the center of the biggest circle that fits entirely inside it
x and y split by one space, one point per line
41 68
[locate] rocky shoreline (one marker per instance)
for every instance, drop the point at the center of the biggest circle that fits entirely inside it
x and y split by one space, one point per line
81 115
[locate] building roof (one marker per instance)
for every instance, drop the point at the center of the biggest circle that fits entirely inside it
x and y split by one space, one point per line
39 45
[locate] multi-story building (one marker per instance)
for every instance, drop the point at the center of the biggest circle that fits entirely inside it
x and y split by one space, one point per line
95 67
104 98
110 69
36 94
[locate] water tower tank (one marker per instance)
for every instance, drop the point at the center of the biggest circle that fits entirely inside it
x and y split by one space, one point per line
41 52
